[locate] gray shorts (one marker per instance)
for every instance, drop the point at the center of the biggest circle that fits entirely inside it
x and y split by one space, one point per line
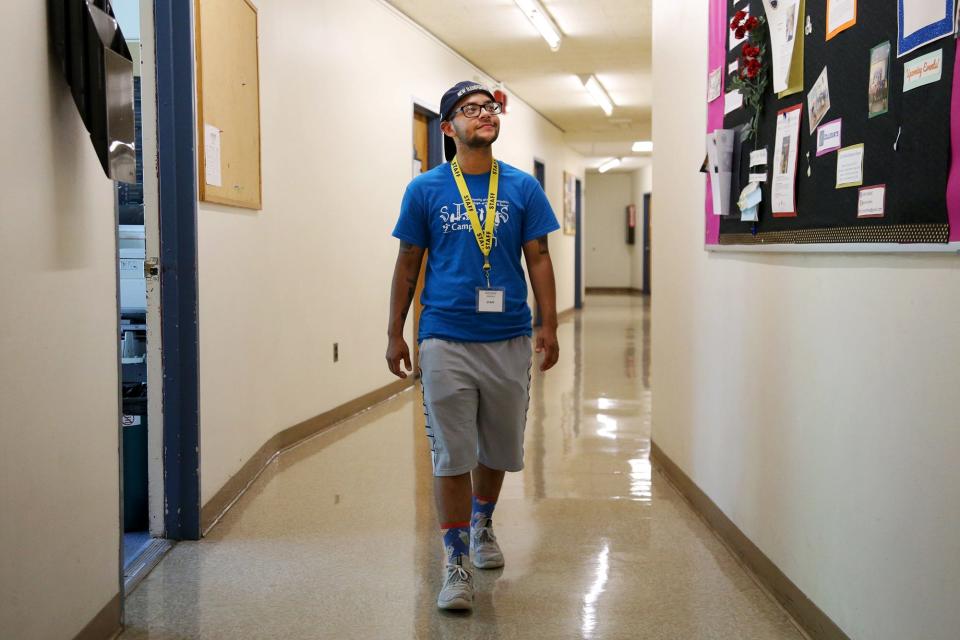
475 398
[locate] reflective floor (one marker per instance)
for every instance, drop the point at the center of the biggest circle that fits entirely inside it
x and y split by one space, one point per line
338 539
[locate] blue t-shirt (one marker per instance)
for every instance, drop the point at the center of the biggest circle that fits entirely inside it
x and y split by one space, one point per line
432 216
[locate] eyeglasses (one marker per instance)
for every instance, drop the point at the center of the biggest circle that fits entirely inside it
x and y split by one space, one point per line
473 110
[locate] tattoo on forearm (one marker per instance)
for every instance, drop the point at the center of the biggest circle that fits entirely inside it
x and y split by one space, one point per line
411 289
544 249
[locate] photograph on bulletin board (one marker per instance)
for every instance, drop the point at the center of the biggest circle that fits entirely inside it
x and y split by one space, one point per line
877 153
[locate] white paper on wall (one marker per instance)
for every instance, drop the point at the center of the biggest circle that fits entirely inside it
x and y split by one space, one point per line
213 174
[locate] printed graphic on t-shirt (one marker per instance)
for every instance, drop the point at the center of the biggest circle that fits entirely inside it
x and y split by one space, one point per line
453 217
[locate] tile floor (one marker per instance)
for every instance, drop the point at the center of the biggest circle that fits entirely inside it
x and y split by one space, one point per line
338 539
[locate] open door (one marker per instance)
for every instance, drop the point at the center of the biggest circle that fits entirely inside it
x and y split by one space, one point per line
427 154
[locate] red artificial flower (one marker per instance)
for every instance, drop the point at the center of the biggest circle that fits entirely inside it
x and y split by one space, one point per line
750 51
737 19
740 32
752 72
752 23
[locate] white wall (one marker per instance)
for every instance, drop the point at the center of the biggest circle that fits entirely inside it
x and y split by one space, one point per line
59 476
608 259
280 286
812 397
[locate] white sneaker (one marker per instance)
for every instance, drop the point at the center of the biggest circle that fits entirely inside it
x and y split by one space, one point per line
457 591
484 550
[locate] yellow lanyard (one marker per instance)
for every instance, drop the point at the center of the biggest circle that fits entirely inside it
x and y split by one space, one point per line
483 234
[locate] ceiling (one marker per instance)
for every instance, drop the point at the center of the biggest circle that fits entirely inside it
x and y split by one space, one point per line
608 38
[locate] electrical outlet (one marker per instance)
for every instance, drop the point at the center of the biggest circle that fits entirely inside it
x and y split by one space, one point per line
336 351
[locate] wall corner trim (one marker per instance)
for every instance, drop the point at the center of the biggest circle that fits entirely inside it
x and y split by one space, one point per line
803 611
236 486
106 624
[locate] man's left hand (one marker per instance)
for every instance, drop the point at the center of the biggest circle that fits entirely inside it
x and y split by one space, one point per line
547 345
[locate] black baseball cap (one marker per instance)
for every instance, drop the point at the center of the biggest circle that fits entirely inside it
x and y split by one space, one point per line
455 94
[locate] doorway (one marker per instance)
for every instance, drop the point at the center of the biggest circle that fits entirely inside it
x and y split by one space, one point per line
138 326
646 243
427 154
578 248
158 336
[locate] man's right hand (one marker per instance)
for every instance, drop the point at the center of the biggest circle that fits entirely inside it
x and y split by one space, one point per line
397 350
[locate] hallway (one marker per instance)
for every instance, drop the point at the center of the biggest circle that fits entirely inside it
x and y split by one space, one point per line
338 538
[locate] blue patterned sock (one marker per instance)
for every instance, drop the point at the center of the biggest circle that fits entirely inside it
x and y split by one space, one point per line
482 511
456 540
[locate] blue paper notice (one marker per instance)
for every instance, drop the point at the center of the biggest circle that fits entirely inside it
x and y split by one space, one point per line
921 22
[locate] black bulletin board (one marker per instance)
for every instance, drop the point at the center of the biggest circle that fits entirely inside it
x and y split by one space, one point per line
915 174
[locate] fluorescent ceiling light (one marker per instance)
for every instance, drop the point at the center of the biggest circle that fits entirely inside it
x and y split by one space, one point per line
612 163
643 146
599 94
540 19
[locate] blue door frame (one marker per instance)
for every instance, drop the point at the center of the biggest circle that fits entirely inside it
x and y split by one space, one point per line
176 126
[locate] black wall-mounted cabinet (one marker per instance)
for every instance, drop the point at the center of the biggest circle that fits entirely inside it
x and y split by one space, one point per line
97 65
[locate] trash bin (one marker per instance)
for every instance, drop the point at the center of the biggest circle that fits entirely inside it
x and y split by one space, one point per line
135 485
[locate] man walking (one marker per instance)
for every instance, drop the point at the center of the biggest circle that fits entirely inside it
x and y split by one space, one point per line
475 215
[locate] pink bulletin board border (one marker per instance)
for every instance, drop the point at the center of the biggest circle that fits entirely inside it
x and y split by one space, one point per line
953 182
717 57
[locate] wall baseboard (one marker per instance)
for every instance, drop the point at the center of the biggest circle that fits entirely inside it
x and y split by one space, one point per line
106 624
613 291
806 614
228 494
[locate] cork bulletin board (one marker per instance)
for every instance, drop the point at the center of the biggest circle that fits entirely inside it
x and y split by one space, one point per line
228 103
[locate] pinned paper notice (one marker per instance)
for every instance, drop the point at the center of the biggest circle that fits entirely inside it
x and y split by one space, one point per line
782 18
733 100
818 100
850 166
920 22
828 137
749 203
715 87
758 157
872 201
923 70
841 15
211 156
758 166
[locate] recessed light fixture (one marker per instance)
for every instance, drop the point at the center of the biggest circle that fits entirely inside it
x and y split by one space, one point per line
540 19
612 163
643 146
599 94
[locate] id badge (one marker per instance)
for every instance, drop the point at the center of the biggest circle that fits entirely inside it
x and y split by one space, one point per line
490 300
